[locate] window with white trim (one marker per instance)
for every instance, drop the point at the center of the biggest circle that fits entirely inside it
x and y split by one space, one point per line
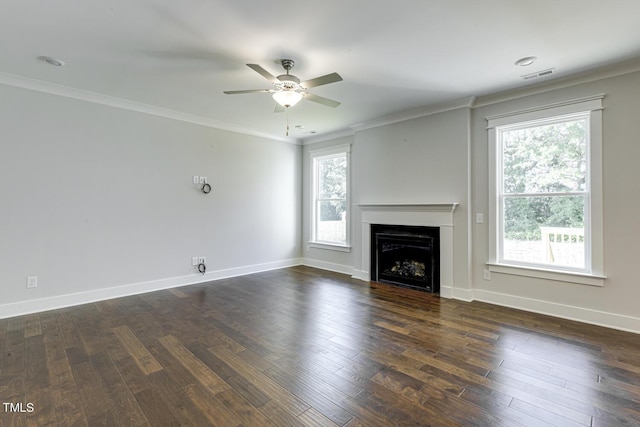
330 196
546 189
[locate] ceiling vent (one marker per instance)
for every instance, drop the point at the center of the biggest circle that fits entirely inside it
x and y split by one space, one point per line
537 74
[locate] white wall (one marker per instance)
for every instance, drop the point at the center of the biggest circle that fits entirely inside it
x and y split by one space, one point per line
615 304
422 160
99 200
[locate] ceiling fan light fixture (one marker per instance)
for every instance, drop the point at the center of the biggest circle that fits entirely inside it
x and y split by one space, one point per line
287 98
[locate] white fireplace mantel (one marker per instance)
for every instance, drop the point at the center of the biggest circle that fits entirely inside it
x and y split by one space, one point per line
420 214
421 207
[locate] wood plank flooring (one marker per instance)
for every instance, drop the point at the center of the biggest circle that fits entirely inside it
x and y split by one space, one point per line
304 347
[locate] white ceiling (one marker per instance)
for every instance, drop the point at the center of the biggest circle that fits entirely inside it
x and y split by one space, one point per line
393 55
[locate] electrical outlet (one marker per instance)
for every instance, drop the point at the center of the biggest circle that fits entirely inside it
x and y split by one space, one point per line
203 180
194 261
479 218
32 282
486 275
196 179
202 260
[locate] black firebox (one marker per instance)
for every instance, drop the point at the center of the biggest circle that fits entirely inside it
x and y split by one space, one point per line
406 256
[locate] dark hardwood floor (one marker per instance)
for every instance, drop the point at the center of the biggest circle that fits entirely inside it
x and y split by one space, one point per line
305 347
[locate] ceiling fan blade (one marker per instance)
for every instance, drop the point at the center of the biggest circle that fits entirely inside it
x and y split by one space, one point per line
237 92
279 108
264 73
321 100
322 80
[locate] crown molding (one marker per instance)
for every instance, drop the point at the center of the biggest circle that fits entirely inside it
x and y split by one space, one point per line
612 70
126 104
327 136
415 113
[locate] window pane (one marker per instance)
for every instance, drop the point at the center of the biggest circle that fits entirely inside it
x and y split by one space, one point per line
549 158
545 230
331 225
332 178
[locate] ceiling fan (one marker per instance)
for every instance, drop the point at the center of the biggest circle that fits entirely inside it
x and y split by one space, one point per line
288 89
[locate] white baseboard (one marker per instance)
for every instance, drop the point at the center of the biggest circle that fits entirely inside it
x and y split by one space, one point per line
250 269
330 266
361 274
68 300
445 292
461 294
579 314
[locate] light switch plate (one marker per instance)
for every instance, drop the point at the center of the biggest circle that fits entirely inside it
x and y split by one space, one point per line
32 282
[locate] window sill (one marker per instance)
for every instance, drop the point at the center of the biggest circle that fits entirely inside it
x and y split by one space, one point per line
330 246
540 273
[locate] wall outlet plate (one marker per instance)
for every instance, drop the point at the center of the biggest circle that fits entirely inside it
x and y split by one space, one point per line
194 261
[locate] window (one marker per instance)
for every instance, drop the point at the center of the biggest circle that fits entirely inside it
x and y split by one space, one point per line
330 196
547 190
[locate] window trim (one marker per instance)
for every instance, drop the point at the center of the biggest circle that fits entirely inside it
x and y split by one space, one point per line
315 155
594 275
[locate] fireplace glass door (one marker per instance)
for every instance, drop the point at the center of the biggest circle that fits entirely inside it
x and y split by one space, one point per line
406 256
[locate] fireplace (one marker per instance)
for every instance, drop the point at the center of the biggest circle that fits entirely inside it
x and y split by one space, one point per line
439 215
406 255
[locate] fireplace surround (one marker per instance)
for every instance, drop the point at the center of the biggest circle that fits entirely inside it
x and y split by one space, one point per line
417 214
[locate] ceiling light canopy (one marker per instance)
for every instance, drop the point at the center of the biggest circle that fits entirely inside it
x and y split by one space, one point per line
287 98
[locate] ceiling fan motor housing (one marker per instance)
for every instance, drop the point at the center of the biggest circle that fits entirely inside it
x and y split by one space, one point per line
287 82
